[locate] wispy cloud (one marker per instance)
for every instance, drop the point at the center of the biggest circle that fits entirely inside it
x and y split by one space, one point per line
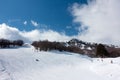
100 20
43 26
25 22
13 20
68 27
34 23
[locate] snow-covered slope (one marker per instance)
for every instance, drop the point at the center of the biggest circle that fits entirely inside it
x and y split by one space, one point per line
27 64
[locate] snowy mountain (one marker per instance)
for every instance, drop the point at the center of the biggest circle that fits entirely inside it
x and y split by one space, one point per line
26 63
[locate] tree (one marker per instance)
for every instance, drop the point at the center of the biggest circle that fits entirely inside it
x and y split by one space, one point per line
4 43
18 42
101 51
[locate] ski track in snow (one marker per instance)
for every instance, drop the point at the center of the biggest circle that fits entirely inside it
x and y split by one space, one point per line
4 74
28 64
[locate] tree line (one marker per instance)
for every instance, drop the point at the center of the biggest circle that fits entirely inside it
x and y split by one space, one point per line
97 50
47 46
5 43
107 51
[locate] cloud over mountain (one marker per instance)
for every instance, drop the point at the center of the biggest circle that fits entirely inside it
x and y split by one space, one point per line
99 19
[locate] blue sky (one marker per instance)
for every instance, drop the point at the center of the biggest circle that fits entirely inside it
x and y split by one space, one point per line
54 14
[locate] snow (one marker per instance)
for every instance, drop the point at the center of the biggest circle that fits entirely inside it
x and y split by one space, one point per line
28 64
83 46
89 48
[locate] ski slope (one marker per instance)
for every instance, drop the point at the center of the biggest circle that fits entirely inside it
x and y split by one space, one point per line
27 64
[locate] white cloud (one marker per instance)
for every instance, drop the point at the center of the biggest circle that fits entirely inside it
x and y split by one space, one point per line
46 35
13 33
101 18
34 23
25 22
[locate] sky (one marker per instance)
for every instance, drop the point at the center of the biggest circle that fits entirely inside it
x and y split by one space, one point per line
50 14
61 20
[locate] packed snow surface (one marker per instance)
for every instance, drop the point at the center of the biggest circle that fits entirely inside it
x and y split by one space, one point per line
28 64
